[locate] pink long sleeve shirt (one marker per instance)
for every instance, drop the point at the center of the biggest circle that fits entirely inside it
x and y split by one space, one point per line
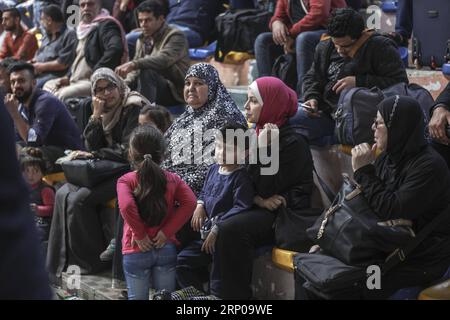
177 191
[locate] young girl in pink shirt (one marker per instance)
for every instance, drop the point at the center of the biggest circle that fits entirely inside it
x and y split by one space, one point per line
154 204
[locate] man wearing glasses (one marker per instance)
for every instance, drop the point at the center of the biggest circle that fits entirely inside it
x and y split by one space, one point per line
351 57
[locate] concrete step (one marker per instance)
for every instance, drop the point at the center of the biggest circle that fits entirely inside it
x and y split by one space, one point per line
94 287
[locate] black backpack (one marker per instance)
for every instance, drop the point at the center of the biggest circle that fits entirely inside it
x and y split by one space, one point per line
237 30
285 69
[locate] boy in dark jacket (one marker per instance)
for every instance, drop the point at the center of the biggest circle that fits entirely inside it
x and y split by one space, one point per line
352 57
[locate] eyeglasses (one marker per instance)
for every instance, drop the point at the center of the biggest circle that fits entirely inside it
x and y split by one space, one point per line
377 123
110 87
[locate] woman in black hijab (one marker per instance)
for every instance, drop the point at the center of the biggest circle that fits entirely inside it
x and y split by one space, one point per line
410 181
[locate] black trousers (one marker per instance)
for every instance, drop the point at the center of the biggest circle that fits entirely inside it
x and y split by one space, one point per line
236 243
443 150
192 268
80 230
155 88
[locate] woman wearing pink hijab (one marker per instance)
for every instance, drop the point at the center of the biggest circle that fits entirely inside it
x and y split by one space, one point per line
270 104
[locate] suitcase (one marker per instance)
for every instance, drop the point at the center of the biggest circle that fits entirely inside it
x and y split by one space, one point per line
431 32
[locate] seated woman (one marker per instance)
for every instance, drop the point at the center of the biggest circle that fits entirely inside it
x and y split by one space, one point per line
75 218
270 104
408 180
209 106
190 139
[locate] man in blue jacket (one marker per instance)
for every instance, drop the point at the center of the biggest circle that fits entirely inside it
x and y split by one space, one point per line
39 117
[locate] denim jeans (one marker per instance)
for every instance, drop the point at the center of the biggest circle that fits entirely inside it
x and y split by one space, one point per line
131 42
266 52
318 131
194 38
42 79
151 269
404 21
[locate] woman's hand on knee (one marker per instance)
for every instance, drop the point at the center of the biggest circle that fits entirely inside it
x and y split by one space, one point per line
198 218
272 203
209 244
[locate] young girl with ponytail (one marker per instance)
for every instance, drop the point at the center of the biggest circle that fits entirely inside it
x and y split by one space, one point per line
147 198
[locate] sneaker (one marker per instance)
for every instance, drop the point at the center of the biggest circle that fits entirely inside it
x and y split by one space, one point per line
108 254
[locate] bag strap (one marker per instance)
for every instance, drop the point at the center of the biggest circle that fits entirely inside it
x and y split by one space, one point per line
401 254
304 6
330 194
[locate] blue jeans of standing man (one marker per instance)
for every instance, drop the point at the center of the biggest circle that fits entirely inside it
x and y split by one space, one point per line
266 52
151 269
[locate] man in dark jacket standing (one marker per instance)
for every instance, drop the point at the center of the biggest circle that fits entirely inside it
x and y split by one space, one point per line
439 124
101 42
22 273
352 57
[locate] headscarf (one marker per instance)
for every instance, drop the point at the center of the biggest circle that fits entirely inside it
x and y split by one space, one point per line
83 30
112 116
405 125
278 100
217 111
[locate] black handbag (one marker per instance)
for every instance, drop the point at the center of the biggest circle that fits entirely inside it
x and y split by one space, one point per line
290 228
90 172
328 277
350 231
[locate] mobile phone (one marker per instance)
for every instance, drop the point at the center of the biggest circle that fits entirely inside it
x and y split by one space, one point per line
308 108
447 130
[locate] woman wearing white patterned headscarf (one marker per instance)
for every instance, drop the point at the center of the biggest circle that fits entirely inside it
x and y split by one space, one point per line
209 106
